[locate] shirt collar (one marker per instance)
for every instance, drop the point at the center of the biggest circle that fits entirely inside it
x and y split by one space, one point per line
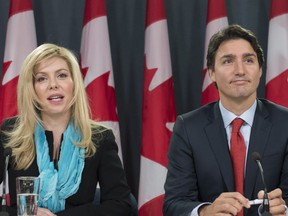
247 116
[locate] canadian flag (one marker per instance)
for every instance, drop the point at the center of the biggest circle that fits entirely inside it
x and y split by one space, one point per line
158 113
277 56
216 20
20 41
97 68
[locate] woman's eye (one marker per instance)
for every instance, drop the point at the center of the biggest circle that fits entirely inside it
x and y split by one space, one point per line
40 79
62 75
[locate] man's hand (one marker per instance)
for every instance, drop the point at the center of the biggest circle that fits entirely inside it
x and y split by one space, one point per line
277 205
229 203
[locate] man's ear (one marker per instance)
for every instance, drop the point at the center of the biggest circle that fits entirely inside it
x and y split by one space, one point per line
211 74
261 72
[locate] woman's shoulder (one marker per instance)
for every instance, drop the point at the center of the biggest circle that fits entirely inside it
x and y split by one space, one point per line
103 137
8 123
101 131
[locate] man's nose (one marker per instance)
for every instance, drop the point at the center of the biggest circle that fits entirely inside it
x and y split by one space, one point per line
239 67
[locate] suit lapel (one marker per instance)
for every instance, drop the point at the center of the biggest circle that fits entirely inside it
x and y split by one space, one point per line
258 141
217 137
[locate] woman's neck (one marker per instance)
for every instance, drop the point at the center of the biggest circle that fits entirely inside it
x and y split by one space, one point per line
55 123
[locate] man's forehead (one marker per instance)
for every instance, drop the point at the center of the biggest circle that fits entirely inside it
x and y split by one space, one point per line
231 55
239 47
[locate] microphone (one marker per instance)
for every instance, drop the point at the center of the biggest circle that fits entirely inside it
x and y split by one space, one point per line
265 206
7 154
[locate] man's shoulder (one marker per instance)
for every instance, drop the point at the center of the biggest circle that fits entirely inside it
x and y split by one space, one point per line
205 110
272 106
201 116
273 112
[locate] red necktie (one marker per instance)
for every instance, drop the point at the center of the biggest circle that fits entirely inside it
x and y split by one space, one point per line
238 155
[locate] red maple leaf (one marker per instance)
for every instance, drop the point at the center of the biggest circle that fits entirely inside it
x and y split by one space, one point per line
84 71
102 99
8 95
158 110
276 88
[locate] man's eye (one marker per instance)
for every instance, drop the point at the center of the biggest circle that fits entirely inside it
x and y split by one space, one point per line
249 60
227 61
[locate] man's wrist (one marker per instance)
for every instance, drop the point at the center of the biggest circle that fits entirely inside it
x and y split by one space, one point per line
202 209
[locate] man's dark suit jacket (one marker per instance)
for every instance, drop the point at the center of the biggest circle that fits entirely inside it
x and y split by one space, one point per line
200 167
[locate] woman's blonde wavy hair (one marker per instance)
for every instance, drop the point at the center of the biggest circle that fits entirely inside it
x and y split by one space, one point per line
20 138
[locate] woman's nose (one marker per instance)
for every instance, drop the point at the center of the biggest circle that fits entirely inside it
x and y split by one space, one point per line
53 84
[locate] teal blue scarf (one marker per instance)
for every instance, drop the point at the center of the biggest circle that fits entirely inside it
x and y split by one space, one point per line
57 186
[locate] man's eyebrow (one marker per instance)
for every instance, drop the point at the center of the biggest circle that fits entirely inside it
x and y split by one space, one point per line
249 54
232 56
227 56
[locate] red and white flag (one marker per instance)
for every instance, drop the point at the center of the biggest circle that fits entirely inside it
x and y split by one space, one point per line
20 41
216 20
277 54
97 67
158 113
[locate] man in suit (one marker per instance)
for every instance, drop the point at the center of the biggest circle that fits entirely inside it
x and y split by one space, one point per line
201 179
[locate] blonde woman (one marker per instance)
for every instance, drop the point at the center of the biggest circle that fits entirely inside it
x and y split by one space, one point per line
54 138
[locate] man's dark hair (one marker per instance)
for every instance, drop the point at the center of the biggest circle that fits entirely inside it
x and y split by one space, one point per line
230 33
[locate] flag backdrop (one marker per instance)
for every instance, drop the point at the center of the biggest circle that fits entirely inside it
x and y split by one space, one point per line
158 112
277 57
20 40
97 69
216 20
